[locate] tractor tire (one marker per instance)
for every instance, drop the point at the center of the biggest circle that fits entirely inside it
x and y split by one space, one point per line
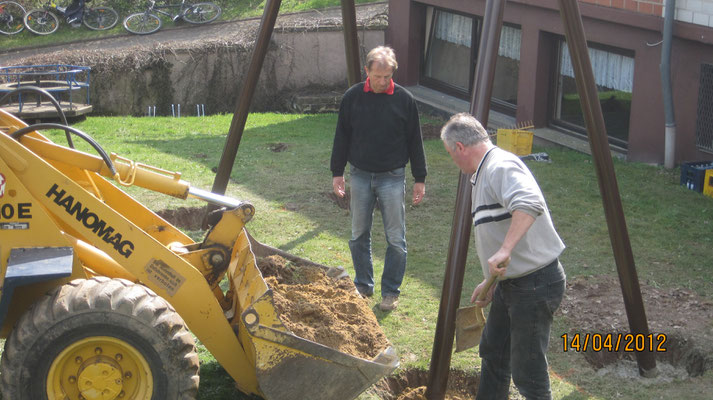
100 338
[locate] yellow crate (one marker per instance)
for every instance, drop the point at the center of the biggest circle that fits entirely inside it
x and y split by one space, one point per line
517 141
708 183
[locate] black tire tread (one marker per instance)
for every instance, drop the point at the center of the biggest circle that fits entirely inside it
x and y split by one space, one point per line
106 295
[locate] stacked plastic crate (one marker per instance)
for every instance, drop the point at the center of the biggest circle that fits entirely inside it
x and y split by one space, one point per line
698 176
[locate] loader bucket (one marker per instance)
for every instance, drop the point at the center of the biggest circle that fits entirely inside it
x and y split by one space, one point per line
288 366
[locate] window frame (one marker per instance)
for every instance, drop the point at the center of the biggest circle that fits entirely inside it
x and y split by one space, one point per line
442 86
456 91
555 93
502 105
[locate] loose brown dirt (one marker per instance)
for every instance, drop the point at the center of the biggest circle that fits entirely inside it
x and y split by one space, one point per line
190 218
341 202
278 147
419 393
430 131
410 384
321 309
595 305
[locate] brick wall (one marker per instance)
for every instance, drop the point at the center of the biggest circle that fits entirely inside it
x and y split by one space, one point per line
695 11
652 7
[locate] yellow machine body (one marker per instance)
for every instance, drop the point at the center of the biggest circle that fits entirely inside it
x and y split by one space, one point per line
54 196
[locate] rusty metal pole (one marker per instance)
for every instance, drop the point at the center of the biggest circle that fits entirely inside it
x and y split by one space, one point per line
596 131
460 232
351 42
237 125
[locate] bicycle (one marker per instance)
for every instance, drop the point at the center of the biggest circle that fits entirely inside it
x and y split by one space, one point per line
11 14
146 22
44 21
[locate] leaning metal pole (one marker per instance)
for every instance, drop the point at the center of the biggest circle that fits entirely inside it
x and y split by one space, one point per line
460 232
596 131
240 117
351 42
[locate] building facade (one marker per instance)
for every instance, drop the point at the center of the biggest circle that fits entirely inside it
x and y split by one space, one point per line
436 42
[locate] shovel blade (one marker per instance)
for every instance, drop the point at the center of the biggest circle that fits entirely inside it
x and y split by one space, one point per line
470 322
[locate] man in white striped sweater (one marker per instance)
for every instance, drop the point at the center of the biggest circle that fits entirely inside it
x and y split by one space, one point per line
515 240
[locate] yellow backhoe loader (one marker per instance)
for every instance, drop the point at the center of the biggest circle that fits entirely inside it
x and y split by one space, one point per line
100 296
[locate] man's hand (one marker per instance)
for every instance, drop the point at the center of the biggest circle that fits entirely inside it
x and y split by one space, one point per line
488 296
498 263
519 225
338 185
419 190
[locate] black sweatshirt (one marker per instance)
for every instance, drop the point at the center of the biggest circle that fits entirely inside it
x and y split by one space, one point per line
378 132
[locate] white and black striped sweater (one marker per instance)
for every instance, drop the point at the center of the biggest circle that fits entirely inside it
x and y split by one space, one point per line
502 184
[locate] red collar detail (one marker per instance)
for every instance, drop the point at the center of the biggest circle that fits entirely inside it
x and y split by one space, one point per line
389 90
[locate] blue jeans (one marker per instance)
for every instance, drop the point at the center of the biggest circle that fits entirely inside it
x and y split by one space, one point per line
517 334
389 188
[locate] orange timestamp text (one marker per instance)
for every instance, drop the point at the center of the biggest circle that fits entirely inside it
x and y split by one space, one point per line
626 342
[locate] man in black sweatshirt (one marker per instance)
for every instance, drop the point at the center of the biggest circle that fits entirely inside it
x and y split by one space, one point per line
378 133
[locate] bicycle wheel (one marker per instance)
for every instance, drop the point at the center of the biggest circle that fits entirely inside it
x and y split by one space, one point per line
142 23
100 18
11 15
202 13
41 22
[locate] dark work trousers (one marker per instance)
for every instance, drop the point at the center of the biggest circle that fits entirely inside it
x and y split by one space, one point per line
517 334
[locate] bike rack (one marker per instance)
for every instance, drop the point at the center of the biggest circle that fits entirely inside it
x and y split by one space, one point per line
60 80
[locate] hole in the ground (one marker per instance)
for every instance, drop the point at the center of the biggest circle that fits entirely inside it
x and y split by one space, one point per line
410 384
341 202
277 147
680 360
190 218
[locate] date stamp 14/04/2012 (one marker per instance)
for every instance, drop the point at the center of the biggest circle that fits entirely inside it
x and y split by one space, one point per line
614 342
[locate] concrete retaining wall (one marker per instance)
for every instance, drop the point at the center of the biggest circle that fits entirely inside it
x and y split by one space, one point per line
297 62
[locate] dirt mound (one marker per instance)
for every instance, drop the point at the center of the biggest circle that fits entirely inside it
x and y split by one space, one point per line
190 218
410 384
681 322
321 309
419 393
430 131
341 202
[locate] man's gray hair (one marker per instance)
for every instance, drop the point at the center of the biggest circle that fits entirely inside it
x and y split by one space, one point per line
382 55
463 128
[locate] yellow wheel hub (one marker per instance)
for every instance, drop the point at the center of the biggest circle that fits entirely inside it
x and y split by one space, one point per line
99 368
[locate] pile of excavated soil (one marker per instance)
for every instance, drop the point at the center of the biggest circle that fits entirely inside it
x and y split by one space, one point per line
411 384
419 393
680 320
321 309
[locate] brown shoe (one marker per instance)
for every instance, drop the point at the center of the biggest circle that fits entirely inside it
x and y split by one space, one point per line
364 294
389 303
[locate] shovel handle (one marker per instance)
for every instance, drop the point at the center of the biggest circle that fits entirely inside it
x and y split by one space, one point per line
489 284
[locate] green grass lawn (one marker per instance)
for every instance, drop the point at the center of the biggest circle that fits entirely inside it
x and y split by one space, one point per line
670 227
